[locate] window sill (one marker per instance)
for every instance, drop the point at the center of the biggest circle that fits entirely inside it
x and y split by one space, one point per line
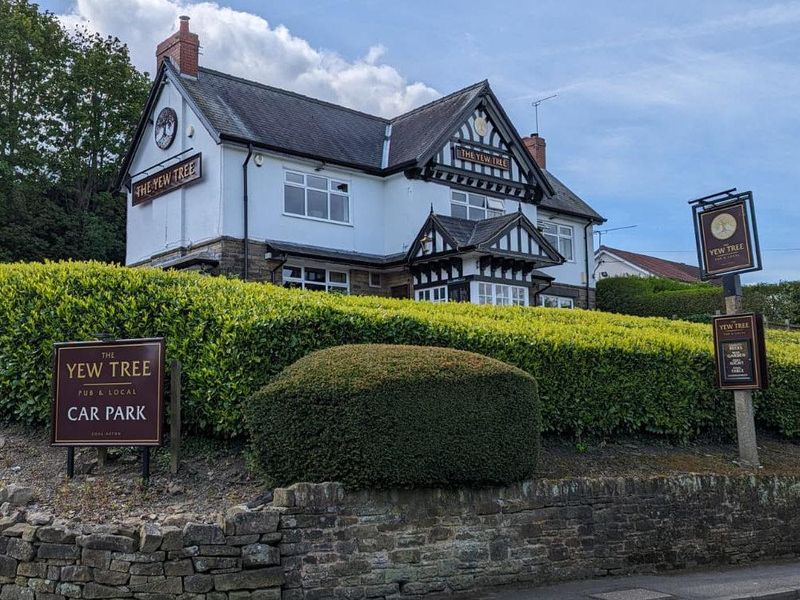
317 219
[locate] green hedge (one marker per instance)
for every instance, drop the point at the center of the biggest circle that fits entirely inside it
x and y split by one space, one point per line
598 373
655 297
776 301
374 415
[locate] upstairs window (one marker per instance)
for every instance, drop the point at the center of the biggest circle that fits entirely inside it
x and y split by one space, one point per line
474 207
316 197
560 237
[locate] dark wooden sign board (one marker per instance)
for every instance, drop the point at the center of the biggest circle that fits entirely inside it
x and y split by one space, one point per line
483 158
168 179
727 239
108 393
740 352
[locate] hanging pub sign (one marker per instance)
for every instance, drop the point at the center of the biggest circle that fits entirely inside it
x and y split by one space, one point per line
483 158
740 352
108 393
168 179
725 230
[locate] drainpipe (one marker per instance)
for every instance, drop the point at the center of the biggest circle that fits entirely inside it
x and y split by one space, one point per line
586 252
244 198
539 293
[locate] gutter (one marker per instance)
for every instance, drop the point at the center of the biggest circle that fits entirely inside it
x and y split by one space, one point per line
245 203
586 256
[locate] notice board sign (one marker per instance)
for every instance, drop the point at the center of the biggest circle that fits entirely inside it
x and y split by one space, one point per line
108 393
727 240
740 352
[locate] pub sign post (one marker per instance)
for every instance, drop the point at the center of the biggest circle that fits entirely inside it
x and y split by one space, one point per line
727 246
108 393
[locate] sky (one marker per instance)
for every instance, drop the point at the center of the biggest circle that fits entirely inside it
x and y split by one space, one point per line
657 102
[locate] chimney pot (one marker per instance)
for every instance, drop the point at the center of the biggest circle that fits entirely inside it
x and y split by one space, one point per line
182 48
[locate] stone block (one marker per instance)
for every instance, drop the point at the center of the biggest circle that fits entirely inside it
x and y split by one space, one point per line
16 592
199 584
122 566
107 541
42 586
418 588
257 522
21 530
249 580
34 569
169 585
203 564
53 534
20 549
70 590
196 534
171 538
76 573
376 591
283 497
178 568
239 596
96 590
219 550
260 555
17 495
107 577
243 540
140 557
272 538
269 594
150 537
96 558
154 596
44 596
147 569
8 566
58 551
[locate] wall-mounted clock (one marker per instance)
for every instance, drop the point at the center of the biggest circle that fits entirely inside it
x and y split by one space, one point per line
166 127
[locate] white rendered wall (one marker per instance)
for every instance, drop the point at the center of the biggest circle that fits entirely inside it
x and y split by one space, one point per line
185 216
615 267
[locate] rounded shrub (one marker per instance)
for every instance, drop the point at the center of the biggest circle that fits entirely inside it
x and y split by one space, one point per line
375 415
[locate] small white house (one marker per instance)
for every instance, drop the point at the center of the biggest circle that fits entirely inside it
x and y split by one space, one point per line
444 203
613 262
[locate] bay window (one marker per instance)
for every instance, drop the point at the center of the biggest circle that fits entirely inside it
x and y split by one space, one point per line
501 294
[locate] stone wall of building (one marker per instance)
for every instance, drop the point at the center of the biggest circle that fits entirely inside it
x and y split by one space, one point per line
316 541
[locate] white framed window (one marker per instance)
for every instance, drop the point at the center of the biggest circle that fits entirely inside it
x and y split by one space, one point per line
501 294
315 278
556 301
374 279
316 197
434 294
560 236
474 206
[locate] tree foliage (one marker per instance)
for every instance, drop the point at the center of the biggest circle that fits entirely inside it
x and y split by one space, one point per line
69 101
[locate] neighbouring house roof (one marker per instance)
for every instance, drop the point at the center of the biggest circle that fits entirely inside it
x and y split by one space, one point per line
244 111
658 267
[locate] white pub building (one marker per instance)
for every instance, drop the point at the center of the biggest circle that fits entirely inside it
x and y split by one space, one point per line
443 203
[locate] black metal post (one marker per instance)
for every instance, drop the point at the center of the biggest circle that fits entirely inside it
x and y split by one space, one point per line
146 464
70 461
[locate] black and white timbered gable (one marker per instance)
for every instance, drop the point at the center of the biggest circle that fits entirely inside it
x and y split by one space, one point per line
483 151
506 247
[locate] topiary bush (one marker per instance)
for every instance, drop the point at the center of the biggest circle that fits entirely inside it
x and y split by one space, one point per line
375 415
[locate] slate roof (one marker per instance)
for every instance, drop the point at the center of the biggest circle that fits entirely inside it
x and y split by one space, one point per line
657 266
566 201
336 255
272 118
468 234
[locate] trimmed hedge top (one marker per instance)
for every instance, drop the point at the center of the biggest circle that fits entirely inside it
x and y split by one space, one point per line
597 372
376 415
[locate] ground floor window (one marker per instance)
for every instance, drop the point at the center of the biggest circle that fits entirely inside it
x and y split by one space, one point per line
434 294
502 294
314 278
556 301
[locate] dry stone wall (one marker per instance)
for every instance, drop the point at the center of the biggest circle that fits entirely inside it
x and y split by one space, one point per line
316 541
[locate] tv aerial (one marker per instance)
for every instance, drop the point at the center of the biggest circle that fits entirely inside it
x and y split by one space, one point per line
535 104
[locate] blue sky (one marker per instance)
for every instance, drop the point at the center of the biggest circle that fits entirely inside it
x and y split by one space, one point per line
657 102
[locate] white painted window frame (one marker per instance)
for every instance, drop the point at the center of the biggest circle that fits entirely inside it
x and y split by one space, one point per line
562 232
427 294
331 189
487 210
516 295
329 285
561 301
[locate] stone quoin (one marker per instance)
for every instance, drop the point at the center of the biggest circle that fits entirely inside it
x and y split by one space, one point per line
443 203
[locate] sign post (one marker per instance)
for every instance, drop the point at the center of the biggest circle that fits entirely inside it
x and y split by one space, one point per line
108 393
727 246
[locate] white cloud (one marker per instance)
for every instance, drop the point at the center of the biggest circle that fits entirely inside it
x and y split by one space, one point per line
247 45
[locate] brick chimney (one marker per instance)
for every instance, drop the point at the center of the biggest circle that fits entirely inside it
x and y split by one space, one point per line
536 147
182 48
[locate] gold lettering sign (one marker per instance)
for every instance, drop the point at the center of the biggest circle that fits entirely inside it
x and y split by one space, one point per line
482 158
168 179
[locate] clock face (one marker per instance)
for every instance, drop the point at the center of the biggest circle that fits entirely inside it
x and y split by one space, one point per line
481 126
723 226
166 127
